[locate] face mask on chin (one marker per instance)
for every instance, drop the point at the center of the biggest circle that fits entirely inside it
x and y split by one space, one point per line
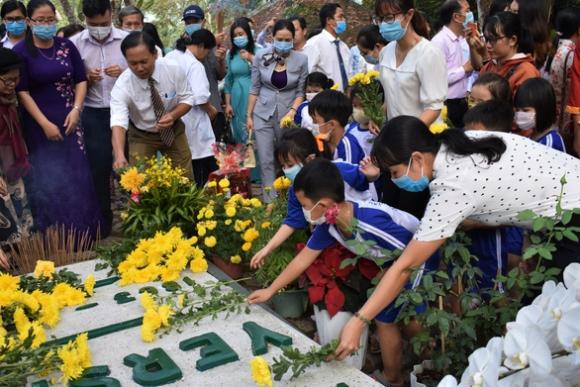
308 216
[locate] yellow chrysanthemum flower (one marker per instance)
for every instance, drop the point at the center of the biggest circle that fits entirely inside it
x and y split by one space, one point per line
236 259
210 241
444 113
198 265
44 269
90 284
228 222
212 184
282 183
209 213
251 235
224 183
266 225
256 203
201 230
71 368
231 212
165 313
132 179
246 246
8 282
181 300
286 122
124 215
438 127
261 372
334 87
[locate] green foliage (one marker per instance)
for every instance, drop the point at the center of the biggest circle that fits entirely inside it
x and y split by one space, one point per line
29 283
293 359
109 257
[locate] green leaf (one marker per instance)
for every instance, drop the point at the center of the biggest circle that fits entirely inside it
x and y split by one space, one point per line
566 217
416 298
545 253
526 215
538 224
536 278
348 262
570 235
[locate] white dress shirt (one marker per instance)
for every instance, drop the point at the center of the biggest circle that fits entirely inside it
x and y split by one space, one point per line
198 126
100 56
527 177
418 84
131 95
322 57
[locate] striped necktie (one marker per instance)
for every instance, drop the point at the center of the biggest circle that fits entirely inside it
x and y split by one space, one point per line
167 135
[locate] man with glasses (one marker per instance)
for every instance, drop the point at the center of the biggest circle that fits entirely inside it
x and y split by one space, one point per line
455 15
100 49
13 15
326 52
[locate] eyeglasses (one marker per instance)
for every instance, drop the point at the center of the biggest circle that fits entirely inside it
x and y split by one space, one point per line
389 19
493 39
10 82
13 19
43 21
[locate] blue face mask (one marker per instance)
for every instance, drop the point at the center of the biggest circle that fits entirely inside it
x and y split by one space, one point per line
392 31
291 172
16 28
340 27
241 41
371 59
282 47
469 18
44 32
191 28
407 184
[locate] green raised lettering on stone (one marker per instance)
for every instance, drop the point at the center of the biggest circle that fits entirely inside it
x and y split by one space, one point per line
40 383
342 385
87 306
149 289
106 281
261 337
215 351
96 377
156 369
123 298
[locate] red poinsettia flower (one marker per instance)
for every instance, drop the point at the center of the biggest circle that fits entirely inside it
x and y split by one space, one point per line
135 197
331 214
323 275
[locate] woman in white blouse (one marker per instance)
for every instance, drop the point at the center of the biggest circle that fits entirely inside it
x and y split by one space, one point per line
413 70
482 177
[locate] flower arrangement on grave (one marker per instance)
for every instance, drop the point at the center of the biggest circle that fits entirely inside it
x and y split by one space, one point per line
160 197
227 227
370 95
28 305
162 257
230 160
188 306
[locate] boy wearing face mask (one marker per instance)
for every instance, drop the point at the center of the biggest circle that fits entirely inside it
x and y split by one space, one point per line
100 48
315 83
535 116
359 128
13 15
320 191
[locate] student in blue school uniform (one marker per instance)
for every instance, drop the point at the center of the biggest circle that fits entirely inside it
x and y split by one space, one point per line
535 104
319 187
298 148
315 83
359 127
330 111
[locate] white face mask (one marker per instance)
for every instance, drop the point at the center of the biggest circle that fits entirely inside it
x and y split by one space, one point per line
310 96
359 116
308 216
525 120
99 33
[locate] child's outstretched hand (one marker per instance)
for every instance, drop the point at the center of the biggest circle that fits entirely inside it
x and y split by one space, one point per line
259 258
369 169
260 296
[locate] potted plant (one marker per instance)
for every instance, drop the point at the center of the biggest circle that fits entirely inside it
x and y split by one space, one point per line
228 227
161 197
293 300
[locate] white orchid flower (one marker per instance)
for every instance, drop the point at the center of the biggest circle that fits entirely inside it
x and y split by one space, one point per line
448 381
569 332
525 346
483 369
572 278
543 380
549 290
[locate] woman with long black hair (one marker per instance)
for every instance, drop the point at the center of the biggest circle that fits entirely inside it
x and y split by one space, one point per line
479 177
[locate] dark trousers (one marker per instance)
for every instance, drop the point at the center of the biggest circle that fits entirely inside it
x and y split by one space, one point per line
202 168
456 109
97 131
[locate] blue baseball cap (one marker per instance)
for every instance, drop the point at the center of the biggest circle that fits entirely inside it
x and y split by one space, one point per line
193 11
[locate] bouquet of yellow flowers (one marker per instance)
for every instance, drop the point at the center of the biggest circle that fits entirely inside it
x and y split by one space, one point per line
28 305
442 123
161 197
163 257
370 95
227 225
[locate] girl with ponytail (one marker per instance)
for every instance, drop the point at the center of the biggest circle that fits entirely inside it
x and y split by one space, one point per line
480 177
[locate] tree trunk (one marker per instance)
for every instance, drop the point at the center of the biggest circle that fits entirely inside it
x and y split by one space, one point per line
69 11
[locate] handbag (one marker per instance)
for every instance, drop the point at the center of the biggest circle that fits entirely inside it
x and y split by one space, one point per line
250 160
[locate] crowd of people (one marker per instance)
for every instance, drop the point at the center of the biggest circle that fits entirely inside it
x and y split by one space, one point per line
80 102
